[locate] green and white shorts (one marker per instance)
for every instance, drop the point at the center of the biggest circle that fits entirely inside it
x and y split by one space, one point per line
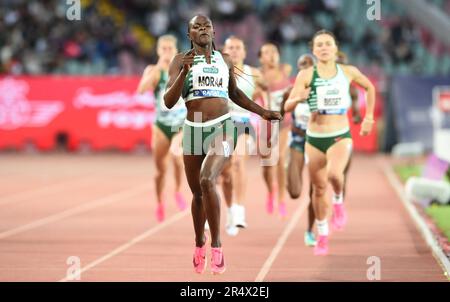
220 134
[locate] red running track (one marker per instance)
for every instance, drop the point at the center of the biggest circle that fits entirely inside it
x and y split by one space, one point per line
100 209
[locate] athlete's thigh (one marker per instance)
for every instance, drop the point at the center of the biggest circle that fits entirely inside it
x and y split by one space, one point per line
349 162
297 160
176 147
192 167
284 138
294 157
217 157
295 166
227 168
338 155
160 145
317 164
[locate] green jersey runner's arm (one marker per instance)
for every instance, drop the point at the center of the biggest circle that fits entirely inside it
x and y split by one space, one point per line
178 69
150 79
359 78
301 89
356 114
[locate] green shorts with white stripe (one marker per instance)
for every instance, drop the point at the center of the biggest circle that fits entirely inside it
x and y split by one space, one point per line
219 134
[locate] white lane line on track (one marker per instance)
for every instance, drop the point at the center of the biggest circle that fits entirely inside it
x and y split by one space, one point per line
417 218
130 243
116 197
282 240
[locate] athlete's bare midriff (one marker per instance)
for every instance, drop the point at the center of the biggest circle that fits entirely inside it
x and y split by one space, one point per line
210 108
321 123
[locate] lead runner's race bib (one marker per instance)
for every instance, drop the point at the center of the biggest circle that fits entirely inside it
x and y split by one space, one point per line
209 81
332 100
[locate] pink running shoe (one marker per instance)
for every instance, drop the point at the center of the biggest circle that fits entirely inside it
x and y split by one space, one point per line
282 209
321 248
181 202
199 259
269 202
339 217
160 212
217 261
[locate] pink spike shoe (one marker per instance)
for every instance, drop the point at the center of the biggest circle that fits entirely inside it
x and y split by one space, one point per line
339 217
321 248
269 202
282 209
199 259
217 261
160 212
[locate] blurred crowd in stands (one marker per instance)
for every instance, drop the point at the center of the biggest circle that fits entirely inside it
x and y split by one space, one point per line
118 37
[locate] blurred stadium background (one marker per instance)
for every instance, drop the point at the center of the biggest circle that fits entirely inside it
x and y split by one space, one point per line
400 51
70 85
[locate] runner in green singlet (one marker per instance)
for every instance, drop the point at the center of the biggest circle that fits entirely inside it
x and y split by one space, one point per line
166 130
205 79
325 87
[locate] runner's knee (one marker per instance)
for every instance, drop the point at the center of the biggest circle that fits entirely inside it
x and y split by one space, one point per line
161 167
319 189
207 182
334 176
178 161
